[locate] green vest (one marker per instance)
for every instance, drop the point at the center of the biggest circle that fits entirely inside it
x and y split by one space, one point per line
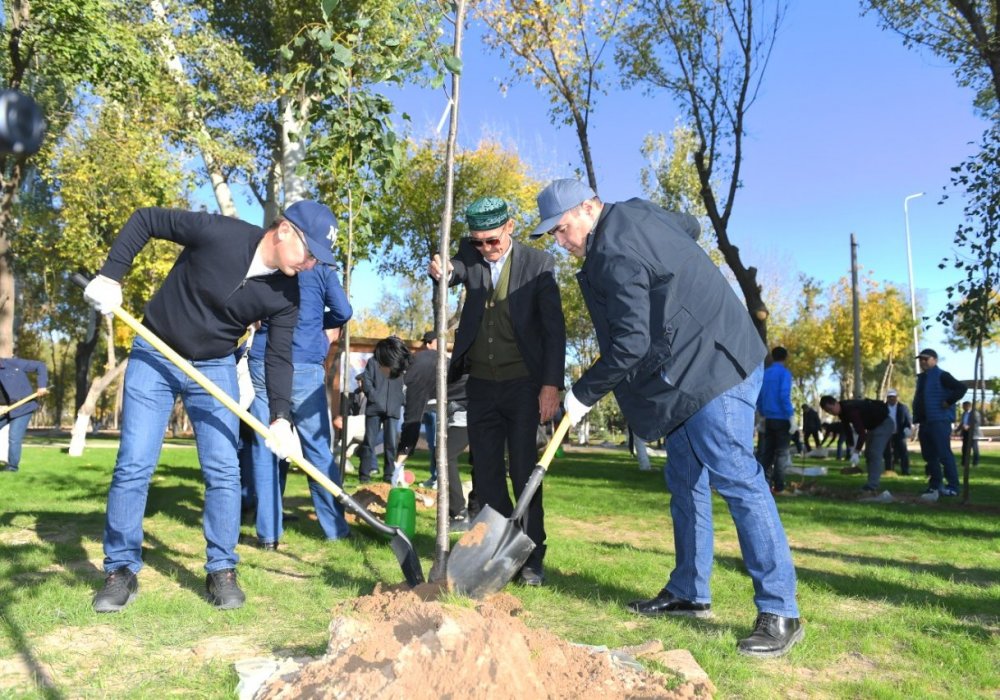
494 354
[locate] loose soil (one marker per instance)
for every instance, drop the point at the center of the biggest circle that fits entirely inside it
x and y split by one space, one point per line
402 643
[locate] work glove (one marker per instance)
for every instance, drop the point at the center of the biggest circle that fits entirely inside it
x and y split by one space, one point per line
398 474
574 409
104 294
855 458
283 442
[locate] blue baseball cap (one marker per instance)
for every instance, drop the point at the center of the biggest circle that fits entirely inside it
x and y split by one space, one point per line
318 224
557 199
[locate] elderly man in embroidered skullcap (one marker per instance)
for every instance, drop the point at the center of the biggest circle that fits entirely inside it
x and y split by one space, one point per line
512 342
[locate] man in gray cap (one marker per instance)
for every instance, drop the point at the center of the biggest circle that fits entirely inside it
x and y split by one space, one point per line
512 342
680 353
229 275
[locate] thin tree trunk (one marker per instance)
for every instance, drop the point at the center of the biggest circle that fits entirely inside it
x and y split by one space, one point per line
442 544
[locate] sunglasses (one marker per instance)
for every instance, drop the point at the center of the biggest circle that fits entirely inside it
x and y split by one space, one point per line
480 242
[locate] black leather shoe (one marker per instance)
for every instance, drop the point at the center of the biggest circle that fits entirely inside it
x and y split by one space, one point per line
267 546
223 591
119 590
666 603
532 575
772 635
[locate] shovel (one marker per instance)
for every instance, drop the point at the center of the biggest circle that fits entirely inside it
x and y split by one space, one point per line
4 410
495 548
400 544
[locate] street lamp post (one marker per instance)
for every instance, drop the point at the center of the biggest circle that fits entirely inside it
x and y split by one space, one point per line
909 263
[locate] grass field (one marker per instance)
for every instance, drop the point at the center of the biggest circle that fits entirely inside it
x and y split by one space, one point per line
899 600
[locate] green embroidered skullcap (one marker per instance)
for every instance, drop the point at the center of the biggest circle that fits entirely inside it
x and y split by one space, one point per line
486 214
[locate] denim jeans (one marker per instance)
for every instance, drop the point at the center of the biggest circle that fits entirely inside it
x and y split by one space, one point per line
935 446
429 419
152 383
713 448
15 436
312 423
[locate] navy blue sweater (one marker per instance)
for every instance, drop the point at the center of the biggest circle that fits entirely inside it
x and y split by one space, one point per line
206 302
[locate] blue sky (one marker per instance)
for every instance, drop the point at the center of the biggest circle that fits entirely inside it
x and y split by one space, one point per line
848 123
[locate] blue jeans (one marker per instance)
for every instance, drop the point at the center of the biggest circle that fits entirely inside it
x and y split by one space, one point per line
430 421
15 436
714 448
312 423
152 383
935 446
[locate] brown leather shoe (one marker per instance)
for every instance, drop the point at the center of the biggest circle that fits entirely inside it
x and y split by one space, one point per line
772 635
666 603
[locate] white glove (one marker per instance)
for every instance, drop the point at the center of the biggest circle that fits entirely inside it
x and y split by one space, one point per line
574 409
104 294
907 432
397 474
855 458
283 442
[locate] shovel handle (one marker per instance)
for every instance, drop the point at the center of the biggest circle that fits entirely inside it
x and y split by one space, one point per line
244 415
4 410
535 480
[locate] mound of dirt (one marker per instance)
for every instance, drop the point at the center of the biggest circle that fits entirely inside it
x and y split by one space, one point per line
406 644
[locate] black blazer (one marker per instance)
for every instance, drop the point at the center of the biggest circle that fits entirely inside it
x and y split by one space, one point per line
535 309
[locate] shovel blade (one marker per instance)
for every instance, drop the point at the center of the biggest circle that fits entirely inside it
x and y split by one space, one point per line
488 556
409 562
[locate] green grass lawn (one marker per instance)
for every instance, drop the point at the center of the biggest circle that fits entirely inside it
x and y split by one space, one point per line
899 600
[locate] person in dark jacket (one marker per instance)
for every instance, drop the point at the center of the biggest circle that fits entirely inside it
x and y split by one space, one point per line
934 410
774 403
897 449
15 386
420 381
229 275
872 427
811 426
511 340
383 387
684 360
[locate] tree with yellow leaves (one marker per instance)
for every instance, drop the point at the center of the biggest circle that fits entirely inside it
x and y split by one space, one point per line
560 48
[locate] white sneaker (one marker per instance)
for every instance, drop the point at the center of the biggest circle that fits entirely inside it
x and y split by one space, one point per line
930 495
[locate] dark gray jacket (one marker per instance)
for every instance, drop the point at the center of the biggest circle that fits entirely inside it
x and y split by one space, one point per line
385 396
672 333
535 309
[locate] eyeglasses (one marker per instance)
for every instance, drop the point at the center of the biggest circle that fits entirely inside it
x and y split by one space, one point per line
480 242
305 246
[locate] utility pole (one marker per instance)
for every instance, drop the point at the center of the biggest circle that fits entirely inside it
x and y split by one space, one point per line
858 393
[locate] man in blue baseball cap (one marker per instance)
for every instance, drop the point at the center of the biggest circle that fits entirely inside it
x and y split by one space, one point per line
230 275
680 353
